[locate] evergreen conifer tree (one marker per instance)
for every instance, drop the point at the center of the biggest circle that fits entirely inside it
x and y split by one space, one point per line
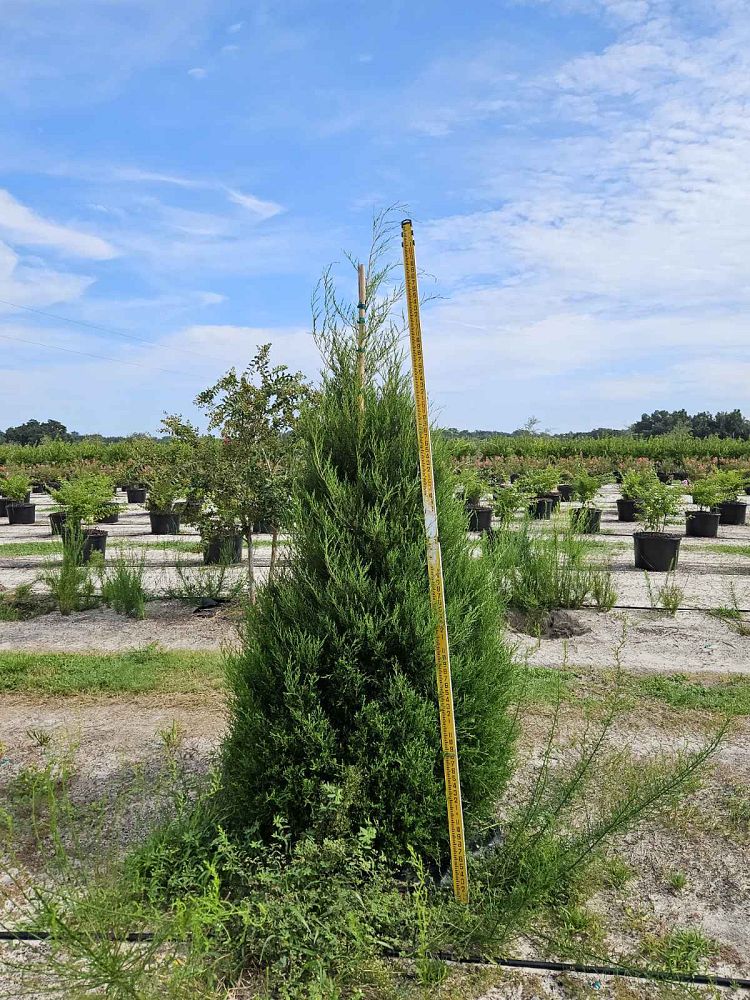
334 720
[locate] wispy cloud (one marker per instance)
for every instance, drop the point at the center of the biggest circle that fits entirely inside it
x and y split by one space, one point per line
24 226
263 209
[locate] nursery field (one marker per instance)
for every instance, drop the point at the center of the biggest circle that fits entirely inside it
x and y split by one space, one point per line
121 718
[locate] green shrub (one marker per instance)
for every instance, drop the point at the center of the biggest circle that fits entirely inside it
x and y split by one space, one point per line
333 694
122 584
536 573
16 487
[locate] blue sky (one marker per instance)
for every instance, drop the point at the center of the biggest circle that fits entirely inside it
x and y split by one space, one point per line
181 172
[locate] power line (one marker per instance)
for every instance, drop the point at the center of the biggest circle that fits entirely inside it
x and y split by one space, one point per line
106 329
98 357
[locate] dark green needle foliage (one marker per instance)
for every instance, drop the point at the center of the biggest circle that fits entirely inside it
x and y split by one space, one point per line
334 720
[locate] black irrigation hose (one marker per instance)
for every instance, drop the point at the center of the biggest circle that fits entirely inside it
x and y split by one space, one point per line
538 965
642 607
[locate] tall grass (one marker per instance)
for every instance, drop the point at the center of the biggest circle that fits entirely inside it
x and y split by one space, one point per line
537 572
122 583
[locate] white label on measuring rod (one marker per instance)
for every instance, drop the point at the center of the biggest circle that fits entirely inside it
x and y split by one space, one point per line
435 578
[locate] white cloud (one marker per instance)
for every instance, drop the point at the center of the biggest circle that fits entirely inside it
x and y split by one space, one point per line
24 226
198 73
234 28
263 209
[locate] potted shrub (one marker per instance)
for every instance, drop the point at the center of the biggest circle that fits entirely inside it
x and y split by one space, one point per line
508 500
221 538
655 549
730 486
539 485
17 490
165 486
704 522
586 519
82 502
480 515
633 481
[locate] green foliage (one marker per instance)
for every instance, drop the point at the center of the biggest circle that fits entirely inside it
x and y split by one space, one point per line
539 481
195 582
166 483
85 499
536 573
585 487
15 487
685 949
473 484
729 484
69 583
669 596
657 502
334 688
635 481
508 500
122 584
707 493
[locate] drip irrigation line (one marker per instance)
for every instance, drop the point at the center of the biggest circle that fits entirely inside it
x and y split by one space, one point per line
530 964
106 329
642 607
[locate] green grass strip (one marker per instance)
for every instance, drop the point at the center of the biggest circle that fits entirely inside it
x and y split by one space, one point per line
729 550
730 696
133 671
9 550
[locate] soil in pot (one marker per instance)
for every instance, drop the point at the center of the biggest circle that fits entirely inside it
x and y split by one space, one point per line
541 509
701 524
627 510
21 513
136 494
732 512
165 524
222 550
480 517
586 520
94 540
656 551
566 492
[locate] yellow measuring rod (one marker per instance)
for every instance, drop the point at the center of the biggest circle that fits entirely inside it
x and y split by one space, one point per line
435 576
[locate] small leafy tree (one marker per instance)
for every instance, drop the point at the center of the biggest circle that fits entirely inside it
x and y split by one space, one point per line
585 487
247 476
85 499
657 502
16 487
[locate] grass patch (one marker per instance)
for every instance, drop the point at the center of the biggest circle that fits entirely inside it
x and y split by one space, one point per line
8 550
729 550
133 671
725 697
729 697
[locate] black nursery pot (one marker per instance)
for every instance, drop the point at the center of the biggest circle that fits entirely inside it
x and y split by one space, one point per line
136 494
701 524
541 509
480 517
21 513
553 497
57 521
222 549
586 520
732 512
94 540
4 506
112 518
627 510
656 551
165 524
566 492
